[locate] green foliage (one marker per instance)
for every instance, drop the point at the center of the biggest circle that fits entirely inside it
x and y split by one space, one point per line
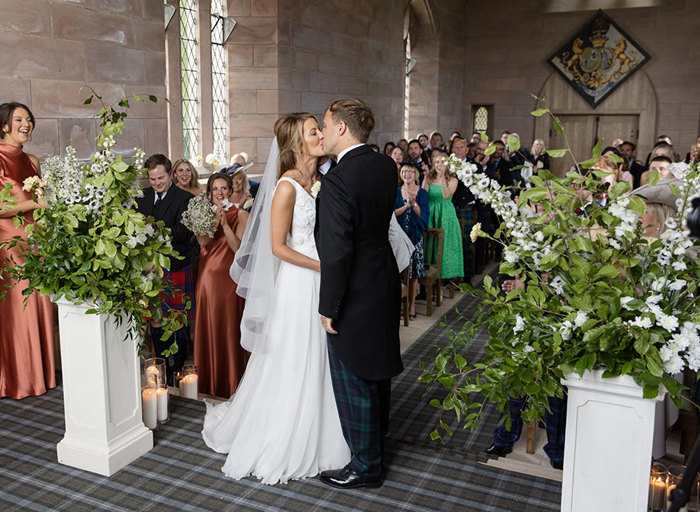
110 256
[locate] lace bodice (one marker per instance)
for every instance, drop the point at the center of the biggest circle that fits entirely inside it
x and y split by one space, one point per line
303 220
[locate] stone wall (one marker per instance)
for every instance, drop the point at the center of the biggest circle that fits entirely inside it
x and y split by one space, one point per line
509 43
53 48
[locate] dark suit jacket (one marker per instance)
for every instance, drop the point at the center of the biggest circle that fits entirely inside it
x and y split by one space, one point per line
170 211
360 286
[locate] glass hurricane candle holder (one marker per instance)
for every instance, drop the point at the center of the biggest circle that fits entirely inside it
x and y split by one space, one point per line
658 482
189 382
154 372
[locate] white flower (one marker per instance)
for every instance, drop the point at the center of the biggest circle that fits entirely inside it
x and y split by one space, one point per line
558 284
226 204
565 330
614 244
212 159
510 255
677 285
519 324
642 321
666 353
679 266
148 230
539 237
315 189
674 365
528 348
654 299
680 341
626 300
476 229
668 322
580 319
659 283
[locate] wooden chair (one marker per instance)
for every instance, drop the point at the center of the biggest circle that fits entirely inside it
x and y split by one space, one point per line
404 296
433 262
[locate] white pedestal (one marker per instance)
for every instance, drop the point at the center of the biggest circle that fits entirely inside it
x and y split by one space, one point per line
607 456
101 393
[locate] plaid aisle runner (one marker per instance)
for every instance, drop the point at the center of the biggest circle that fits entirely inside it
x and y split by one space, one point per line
412 416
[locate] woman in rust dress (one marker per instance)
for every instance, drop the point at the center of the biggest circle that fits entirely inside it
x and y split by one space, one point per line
217 349
26 334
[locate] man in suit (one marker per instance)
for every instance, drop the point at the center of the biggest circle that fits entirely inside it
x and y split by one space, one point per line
167 202
360 288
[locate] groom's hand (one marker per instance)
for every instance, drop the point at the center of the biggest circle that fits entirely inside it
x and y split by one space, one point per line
327 324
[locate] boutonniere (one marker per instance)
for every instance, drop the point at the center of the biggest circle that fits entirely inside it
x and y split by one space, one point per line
315 189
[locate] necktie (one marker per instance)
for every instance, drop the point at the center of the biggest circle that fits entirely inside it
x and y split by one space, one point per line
159 198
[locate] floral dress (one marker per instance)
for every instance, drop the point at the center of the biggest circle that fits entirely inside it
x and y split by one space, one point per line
414 225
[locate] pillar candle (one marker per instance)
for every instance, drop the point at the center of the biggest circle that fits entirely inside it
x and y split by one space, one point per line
188 386
162 394
150 408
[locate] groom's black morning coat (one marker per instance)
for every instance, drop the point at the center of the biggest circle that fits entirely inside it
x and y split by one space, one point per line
360 285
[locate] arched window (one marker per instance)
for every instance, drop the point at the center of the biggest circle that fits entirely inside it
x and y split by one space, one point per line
219 77
189 77
481 119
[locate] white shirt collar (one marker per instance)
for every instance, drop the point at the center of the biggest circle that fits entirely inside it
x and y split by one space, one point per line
343 152
323 169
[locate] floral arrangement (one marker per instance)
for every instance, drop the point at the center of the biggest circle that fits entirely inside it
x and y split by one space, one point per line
315 189
199 217
593 291
90 245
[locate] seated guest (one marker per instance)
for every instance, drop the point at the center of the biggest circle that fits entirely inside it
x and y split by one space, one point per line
659 163
538 156
240 195
398 156
164 201
621 172
412 212
388 148
186 177
635 167
218 354
441 184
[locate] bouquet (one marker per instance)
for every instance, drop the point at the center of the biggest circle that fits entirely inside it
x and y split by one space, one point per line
199 217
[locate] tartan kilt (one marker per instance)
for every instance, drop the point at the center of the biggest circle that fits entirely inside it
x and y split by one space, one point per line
179 288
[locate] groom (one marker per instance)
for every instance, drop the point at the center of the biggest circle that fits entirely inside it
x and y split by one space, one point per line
360 288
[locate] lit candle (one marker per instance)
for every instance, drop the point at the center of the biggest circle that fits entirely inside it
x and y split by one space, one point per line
153 376
162 394
188 386
150 408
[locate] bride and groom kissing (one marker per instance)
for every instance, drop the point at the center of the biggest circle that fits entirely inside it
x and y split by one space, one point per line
315 395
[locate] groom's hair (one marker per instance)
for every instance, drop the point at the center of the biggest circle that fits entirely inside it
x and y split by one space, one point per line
356 114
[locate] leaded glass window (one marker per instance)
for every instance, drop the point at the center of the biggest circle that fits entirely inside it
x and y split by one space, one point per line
481 119
218 77
189 76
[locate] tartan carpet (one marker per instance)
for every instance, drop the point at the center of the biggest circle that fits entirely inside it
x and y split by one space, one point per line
182 474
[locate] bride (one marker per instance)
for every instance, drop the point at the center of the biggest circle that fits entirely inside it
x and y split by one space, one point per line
282 423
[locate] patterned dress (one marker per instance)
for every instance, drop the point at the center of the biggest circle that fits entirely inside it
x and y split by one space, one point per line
414 226
443 215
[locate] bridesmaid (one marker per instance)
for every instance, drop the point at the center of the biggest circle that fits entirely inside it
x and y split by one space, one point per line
26 334
441 184
217 349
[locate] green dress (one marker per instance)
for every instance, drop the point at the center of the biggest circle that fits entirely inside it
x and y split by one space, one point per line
443 215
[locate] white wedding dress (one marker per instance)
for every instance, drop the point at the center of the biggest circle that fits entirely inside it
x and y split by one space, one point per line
282 423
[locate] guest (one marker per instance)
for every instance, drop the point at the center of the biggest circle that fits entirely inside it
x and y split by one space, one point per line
476 137
660 163
403 144
398 156
621 171
415 158
218 354
412 212
441 184
538 156
388 148
374 147
26 330
164 201
186 177
635 167
423 139
694 154
463 201
240 195
435 141
448 144
237 161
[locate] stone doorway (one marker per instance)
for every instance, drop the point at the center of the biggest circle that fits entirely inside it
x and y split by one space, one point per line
583 131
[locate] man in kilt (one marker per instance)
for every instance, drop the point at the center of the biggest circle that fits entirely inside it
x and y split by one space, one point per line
167 202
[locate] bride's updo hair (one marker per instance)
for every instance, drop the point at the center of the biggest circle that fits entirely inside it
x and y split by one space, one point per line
289 130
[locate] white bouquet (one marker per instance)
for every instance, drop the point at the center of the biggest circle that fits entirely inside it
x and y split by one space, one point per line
199 217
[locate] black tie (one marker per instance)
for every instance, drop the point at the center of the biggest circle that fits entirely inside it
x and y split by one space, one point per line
159 198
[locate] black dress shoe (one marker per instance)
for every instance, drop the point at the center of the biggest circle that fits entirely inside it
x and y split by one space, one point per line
499 451
557 464
347 478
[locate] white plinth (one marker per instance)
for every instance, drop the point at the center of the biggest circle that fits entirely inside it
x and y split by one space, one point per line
607 455
101 393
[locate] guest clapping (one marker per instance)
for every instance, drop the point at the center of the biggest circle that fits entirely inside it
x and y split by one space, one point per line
218 352
441 184
413 212
186 177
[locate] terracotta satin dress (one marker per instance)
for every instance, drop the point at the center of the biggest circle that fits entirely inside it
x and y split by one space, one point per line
26 334
218 354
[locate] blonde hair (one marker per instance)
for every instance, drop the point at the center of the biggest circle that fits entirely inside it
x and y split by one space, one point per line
433 171
246 181
532 148
662 211
409 167
289 130
195 175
